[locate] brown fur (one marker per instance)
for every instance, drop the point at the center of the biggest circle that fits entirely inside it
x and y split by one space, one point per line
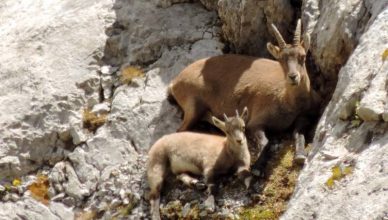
228 82
276 92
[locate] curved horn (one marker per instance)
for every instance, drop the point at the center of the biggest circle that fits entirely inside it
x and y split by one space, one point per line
298 31
237 114
226 117
279 38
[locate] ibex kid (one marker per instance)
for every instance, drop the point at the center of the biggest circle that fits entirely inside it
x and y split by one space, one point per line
204 155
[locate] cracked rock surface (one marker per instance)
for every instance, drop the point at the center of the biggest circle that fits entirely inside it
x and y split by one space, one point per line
100 172
62 58
47 72
361 90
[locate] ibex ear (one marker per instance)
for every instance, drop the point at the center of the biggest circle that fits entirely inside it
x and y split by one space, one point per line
244 114
218 123
306 42
273 50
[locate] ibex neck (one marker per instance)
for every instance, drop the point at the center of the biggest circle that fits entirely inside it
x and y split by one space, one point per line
233 150
300 93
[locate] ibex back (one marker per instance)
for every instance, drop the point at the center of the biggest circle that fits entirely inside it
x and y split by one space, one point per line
276 92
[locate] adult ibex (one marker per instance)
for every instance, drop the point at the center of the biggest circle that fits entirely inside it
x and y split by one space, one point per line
276 92
199 154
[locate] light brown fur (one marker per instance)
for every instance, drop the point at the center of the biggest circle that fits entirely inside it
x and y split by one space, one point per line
228 82
200 154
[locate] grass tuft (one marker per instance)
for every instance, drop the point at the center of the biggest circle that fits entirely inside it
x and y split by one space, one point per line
173 210
39 189
129 73
281 175
92 121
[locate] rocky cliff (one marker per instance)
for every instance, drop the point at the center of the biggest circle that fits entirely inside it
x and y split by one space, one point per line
83 96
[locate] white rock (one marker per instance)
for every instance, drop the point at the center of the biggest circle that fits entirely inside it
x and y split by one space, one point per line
28 208
6 197
43 73
105 70
79 135
10 162
58 197
61 210
359 78
107 85
73 187
101 108
88 175
373 102
57 174
14 197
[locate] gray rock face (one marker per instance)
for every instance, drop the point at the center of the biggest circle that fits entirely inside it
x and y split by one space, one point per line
61 58
336 28
362 80
47 77
29 208
106 167
246 23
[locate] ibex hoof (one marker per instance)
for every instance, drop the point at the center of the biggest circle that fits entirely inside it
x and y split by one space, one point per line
247 182
300 159
200 186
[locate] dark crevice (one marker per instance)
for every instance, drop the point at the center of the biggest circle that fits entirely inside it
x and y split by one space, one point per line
134 145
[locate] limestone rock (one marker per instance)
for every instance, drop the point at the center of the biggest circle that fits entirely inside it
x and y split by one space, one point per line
73 187
336 29
63 57
26 209
154 30
78 134
101 108
372 103
365 146
50 53
61 210
246 23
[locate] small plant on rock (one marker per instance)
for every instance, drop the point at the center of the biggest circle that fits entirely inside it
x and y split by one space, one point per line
355 120
338 172
129 73
39 189
92 121
281 174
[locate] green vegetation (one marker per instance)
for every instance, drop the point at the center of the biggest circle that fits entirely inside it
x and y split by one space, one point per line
384 56
338 172
280 179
